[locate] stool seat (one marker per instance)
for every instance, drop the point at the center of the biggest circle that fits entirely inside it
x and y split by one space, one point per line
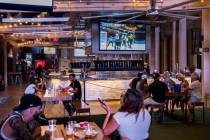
198 104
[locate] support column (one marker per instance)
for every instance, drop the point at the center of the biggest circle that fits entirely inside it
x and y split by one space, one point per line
182 43
206 56
165 52
4 45
151 45
174 39
157 48
14 49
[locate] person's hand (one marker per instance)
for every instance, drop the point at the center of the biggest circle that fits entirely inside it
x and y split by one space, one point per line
47 135
35 128
106 108
37 132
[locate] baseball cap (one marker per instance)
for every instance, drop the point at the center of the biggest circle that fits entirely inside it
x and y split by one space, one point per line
28 101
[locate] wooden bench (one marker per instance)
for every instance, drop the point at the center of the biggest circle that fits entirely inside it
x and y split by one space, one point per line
81 107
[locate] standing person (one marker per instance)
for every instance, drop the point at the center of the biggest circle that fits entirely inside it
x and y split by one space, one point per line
75 87
132 120
20 124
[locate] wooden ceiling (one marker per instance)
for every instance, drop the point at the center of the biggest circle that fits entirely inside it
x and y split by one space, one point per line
74 9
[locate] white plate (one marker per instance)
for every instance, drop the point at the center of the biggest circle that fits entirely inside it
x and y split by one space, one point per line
80 134
94 133
58 138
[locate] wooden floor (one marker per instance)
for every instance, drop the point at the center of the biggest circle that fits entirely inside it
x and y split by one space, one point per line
14 93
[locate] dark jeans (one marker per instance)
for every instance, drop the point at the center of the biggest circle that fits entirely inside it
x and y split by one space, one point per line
68 105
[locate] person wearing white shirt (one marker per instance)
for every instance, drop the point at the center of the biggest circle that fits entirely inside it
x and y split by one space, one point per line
195 92
31 88
132 120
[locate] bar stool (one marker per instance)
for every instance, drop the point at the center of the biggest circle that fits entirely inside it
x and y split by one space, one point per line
198 104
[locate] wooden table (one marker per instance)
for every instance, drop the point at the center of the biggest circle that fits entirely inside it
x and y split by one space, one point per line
62 96
170 96
60 132
175 94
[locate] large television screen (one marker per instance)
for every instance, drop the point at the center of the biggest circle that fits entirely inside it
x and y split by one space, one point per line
122 37
32 5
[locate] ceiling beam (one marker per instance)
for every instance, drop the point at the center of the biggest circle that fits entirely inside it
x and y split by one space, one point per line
46 19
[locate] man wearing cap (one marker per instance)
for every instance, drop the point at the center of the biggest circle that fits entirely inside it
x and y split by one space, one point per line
20 124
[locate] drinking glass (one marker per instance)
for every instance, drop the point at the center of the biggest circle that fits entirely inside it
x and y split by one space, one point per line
88 132
52 125
70 129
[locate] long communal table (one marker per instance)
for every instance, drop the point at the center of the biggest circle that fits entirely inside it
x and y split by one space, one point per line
61 96
60 132
170 96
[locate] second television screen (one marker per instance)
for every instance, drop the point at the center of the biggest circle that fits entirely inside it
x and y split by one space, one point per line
122 37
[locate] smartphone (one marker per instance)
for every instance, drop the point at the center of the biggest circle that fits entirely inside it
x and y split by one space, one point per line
102 102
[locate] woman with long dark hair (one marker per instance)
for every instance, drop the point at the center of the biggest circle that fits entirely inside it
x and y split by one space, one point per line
132 120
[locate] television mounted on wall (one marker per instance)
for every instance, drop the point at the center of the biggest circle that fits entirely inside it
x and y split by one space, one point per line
121 37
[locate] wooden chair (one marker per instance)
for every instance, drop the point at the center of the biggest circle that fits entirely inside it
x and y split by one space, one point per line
198 104
158 106
81 107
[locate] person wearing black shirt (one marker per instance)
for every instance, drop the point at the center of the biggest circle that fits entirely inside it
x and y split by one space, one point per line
75 88
157 91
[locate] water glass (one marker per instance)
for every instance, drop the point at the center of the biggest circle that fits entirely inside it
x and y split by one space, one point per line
88 132
70 129
52 125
